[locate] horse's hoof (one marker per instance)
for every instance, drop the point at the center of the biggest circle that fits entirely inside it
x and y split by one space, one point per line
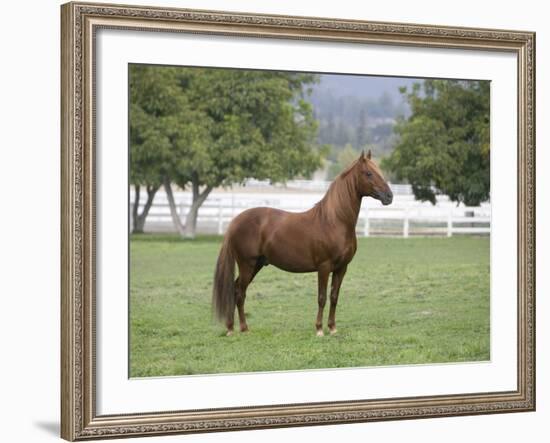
333 331
245 329
229 333
320 333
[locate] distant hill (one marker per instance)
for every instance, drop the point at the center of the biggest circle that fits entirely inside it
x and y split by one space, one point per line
357 111
361 86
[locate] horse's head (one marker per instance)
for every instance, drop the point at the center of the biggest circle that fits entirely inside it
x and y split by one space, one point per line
370 181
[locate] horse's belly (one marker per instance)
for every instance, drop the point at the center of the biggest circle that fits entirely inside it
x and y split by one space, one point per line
296 244
291 266
288 257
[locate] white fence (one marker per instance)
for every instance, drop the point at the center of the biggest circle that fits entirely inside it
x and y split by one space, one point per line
316 185
404 217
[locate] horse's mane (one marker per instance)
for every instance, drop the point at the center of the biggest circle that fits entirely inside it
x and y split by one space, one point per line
348 169
341 201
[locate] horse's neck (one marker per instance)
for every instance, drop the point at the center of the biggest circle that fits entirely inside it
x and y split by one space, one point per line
342 202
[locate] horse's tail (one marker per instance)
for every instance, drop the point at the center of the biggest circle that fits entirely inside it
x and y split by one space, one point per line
223 294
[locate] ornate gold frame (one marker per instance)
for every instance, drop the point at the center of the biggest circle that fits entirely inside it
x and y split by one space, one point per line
79 21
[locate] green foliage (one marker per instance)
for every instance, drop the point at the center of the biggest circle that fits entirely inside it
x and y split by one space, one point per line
423 300
216 127
444 145
345 157
150 145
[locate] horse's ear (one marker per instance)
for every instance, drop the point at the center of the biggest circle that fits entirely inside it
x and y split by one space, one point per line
368 154
362 156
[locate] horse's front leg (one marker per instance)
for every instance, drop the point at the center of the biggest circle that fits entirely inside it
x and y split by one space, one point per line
337 277
322 280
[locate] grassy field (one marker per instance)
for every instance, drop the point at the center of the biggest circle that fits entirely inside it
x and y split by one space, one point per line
403 301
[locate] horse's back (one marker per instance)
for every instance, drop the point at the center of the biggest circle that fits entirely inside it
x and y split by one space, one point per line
255 218
247 231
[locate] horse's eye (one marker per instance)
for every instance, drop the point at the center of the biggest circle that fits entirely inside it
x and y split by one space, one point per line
368 174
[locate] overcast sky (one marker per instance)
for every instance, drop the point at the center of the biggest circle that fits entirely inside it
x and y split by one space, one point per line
363 86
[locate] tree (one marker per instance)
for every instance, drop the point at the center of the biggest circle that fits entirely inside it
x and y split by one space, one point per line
444 145
163 124
345 157
328 135
149 141
362 128
227 125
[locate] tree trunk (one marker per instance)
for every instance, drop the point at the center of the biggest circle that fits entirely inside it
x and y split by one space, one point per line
173 210
198 200
137 218
135 208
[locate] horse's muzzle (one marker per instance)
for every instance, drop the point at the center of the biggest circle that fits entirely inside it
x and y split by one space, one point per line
386 198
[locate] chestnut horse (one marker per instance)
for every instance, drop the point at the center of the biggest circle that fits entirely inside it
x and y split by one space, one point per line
321 240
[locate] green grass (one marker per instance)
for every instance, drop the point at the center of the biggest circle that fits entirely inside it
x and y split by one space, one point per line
403 301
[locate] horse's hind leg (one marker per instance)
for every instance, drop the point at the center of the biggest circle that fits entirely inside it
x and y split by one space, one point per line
247 272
